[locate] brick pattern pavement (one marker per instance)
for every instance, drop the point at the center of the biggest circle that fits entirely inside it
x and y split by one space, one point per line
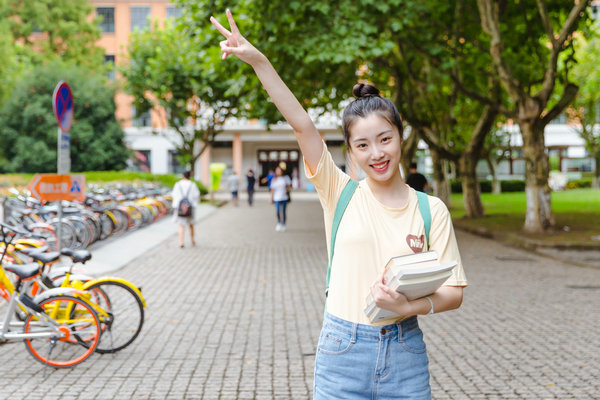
238 316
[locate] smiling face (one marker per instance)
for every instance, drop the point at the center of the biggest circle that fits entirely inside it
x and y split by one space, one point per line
375 146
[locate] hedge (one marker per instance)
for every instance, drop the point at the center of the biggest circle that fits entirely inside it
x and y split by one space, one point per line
168 180
485 185
579 183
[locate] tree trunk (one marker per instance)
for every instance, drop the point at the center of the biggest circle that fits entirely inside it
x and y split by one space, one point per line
539 216
492 164
596 178
470 186
441 186
409 148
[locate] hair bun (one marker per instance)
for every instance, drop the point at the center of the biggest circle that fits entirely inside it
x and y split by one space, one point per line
362 90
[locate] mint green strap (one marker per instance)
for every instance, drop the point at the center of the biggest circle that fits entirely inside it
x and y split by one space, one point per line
340 208
425 214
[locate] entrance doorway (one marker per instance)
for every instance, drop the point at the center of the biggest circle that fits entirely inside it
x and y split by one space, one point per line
269 159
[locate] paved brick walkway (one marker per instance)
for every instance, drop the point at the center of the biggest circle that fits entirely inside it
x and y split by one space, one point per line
238 316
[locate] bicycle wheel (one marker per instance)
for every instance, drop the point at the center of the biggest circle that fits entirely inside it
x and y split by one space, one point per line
125 314
75 339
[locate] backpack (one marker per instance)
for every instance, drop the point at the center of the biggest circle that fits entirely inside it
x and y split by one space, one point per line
184 209
340 208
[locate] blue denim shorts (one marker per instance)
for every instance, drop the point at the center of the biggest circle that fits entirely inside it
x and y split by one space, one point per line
356 361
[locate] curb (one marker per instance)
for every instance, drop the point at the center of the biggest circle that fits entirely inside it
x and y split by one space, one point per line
517 241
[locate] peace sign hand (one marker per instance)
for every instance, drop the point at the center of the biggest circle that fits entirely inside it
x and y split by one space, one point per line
235 43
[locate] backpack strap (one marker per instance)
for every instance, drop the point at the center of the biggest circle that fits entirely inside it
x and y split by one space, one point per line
425 214
340 208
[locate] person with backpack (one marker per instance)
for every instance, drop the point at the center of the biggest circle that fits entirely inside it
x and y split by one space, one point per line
185 196
357 359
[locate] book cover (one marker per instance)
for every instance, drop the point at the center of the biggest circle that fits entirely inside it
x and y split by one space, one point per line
414 280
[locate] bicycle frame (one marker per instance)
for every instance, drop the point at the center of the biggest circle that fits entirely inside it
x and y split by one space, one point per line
43 321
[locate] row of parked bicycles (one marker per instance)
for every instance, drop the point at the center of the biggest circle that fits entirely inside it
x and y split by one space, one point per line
62 314
103 213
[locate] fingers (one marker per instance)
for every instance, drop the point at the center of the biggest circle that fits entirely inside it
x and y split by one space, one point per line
232 24
227 49
220 27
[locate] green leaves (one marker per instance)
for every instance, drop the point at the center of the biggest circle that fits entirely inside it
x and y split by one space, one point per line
189 80
29 129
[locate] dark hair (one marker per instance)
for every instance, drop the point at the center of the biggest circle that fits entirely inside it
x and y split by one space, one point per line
368 101
413 165
187 174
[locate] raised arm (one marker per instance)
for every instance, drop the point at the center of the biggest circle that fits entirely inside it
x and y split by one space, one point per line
308 137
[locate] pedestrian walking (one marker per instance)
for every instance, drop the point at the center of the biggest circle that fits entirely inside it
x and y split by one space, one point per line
185 190
357 359
250 182
233 181
281 185
267 179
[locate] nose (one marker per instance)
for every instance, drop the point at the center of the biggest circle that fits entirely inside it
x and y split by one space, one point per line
376 152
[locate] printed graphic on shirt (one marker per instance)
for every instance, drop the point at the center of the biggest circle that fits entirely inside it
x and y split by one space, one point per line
416 243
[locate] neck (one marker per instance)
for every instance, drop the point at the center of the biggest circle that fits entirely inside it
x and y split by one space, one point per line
392 193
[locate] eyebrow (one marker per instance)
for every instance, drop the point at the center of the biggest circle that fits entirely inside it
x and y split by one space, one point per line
378 135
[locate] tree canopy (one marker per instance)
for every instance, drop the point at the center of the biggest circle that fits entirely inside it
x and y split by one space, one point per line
29 129
187 83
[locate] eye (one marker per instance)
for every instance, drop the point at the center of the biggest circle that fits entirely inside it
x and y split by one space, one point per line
386 139
361 146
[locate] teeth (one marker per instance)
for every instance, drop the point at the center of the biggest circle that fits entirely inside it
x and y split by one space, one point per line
380 165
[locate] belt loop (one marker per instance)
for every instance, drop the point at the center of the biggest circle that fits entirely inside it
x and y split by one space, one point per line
399 325
354 330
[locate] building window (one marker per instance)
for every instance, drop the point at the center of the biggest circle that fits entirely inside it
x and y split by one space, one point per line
561 119
173 12
139 18
142 120
595 11
108 19
141 160
174 165
110 61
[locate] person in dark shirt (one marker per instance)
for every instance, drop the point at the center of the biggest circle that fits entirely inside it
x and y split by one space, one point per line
416 180
251 179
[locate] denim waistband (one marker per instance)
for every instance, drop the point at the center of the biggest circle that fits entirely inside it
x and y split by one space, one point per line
362 330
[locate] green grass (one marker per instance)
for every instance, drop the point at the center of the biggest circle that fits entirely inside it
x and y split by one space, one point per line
576 212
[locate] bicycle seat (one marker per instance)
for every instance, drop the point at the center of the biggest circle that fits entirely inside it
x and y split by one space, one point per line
24 271
45 258
31 250
77 255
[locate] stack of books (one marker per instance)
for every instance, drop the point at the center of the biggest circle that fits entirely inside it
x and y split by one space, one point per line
414 275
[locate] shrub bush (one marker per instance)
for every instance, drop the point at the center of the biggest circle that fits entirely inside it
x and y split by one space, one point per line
579 183
485 186
105 177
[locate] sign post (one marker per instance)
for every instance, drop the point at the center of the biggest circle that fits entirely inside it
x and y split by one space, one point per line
62 104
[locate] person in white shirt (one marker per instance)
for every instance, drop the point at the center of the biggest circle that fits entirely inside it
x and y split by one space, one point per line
185 188
234 184
280 186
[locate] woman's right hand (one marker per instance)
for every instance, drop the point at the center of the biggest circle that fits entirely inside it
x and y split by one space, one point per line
235 43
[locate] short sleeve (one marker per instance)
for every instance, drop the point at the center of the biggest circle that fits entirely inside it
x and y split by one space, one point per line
443 240
329 180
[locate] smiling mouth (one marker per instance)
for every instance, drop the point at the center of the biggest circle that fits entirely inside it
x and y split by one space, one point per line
380 167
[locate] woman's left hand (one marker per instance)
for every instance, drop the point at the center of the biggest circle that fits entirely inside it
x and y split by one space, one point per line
388 299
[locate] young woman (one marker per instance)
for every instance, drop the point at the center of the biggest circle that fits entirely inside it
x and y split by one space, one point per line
355 358
280 186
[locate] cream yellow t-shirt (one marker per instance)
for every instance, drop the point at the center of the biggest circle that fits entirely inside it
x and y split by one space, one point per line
371 233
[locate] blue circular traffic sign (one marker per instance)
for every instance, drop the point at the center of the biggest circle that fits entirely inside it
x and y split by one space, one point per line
62 103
